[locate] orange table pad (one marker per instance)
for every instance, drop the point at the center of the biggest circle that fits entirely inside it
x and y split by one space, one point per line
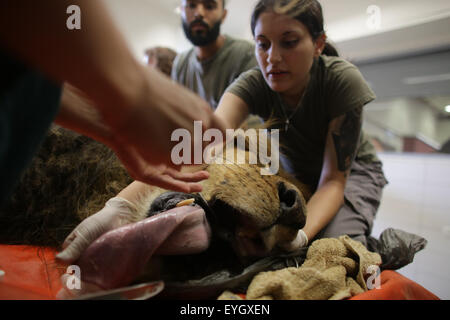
31 273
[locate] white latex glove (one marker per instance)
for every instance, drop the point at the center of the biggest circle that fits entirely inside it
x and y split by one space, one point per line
300 241
116 213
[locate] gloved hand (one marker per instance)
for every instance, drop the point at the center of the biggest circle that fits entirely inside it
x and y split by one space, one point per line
116 213
300 241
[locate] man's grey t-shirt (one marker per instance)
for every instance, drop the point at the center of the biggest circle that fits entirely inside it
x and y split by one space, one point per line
210 78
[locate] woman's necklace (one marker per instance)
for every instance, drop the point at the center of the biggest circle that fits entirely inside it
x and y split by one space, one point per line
287 122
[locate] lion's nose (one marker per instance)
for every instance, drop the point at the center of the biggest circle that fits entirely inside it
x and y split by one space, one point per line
291 207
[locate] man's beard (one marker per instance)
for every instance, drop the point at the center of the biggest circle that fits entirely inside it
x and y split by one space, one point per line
204 38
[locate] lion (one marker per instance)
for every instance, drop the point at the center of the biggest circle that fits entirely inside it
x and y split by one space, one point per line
72 176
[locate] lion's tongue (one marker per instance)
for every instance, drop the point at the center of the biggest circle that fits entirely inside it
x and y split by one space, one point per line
119 256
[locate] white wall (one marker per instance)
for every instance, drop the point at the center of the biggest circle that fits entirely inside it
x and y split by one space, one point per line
417 200
348 19
145 24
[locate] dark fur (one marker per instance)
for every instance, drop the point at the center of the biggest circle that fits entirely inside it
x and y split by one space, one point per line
79 173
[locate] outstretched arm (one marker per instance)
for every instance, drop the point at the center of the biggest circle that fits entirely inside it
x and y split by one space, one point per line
340 151
140 106
232 110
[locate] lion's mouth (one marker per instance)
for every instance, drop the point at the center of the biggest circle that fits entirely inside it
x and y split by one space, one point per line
235 227
227 223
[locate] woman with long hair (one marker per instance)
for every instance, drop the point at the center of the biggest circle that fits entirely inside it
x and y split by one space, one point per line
317 100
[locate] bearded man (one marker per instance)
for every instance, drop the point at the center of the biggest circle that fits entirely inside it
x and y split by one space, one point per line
215 60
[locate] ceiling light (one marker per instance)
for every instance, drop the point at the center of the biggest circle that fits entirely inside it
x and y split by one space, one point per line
447 108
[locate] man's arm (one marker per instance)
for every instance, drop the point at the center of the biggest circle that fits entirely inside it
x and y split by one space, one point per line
77 113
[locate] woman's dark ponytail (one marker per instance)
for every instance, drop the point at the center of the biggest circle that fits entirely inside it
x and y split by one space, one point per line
330 50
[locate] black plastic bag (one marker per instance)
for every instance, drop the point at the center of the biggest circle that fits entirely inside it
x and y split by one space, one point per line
397 248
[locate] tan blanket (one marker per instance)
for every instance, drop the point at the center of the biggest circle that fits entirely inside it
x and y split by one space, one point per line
334 269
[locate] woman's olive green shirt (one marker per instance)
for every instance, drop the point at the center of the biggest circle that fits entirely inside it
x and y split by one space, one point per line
335 87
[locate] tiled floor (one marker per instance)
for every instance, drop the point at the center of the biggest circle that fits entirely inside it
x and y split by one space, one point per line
417 200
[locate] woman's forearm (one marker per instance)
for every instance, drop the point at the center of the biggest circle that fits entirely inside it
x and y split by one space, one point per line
323 206
232 110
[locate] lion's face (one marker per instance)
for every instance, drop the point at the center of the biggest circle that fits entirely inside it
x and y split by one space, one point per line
254 212
251 211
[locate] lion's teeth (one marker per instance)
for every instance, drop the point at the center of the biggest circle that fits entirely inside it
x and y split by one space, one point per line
186 202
